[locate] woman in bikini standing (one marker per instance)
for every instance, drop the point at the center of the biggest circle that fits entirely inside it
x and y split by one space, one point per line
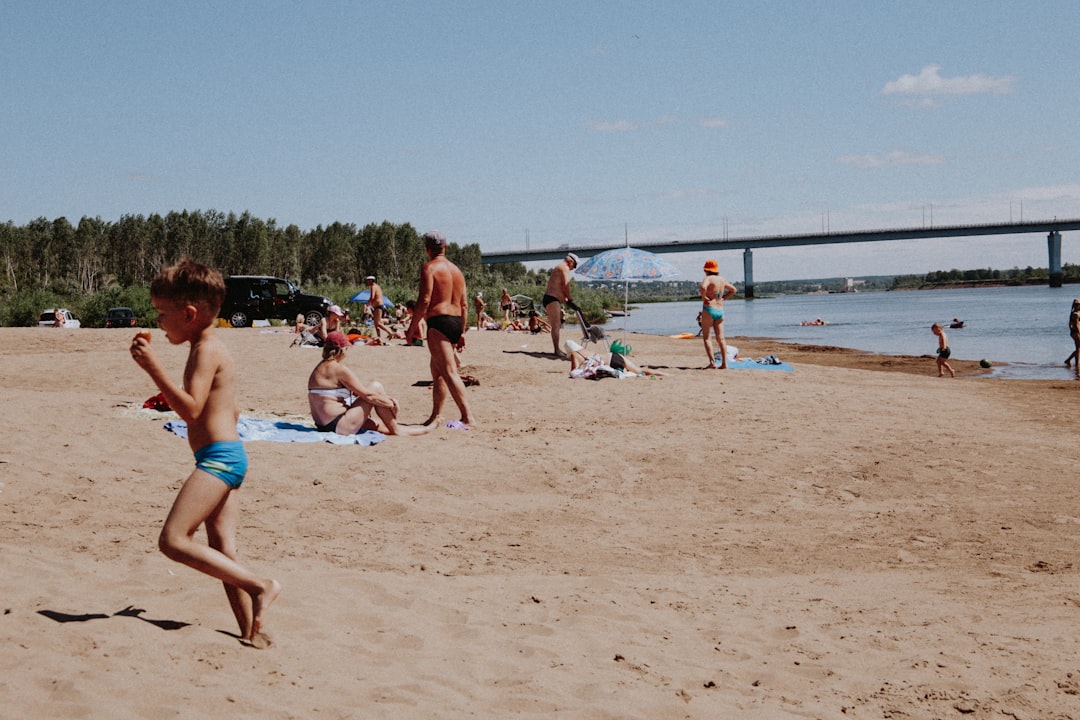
341 404
714 291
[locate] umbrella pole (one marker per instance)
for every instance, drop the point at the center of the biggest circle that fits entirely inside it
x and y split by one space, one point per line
625 307
626 288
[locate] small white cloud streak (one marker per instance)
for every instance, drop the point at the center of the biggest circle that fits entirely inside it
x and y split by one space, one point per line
930 82
613 126
1050 192
623 126
896 157
714 122
689 194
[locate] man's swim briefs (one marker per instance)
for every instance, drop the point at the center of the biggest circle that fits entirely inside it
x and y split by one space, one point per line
226 460
448 325
548 299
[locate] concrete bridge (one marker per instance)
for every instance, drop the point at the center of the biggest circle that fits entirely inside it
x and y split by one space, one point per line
1052 228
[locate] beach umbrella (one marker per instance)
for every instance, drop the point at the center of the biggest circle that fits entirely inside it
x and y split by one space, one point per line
364 295
626 264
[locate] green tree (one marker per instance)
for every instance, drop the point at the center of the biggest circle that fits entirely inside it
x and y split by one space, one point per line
88 256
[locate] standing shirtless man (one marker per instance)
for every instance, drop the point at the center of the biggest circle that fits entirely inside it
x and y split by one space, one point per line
714 291
557 293
375 302
442 304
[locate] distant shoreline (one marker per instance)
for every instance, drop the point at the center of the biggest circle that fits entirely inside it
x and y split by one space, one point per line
964 284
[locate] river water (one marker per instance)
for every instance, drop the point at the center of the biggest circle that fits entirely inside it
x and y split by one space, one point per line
1025 327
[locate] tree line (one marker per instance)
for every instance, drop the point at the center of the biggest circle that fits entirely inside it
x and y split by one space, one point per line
983 276
98 264
94 254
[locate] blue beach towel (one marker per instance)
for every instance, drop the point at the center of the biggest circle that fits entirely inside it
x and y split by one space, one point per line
251 429
770 362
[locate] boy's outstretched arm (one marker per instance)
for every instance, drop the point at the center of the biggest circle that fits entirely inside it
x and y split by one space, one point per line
187 401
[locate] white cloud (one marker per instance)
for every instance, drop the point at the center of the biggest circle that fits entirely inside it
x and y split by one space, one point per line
689 194
930 82
613 126
714 122
919 103
622 126
1051 192
896 157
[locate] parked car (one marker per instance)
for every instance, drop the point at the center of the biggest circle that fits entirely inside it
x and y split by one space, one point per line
120 317
58 317
261 297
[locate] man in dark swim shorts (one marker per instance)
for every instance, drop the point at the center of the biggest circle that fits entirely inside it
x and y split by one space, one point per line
442 303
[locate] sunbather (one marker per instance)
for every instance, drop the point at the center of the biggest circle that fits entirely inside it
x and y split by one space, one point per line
341 404
582 365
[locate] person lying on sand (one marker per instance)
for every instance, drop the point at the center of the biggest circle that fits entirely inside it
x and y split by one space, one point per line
582 365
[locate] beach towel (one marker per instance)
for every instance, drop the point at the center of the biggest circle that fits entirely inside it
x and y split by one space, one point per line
306 339
251 429
770 362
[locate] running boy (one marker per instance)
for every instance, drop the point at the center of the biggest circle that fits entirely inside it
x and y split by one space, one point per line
943 351
187 297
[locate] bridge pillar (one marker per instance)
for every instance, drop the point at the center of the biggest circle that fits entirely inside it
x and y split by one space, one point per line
748 274
1053 247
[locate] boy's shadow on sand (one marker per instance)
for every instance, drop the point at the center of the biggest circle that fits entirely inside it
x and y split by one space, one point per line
129 611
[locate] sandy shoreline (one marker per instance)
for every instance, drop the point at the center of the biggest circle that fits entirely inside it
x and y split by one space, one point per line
857 537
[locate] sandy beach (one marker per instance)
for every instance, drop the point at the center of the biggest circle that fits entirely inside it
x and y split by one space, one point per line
857 538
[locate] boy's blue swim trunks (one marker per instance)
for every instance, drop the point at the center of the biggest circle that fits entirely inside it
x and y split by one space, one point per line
226 460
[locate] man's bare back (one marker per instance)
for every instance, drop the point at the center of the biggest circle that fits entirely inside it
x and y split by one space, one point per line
447 287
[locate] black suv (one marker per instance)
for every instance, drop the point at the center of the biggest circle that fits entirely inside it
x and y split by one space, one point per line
120 317
260 297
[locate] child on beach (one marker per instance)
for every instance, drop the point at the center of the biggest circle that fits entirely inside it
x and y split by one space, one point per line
943 351
1074 333
187 297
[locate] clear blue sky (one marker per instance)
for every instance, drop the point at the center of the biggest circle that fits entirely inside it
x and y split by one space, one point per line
561 121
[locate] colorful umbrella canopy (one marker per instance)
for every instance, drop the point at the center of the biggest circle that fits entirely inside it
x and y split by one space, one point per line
626 263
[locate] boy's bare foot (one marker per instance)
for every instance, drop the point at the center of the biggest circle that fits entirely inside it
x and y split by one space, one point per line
259 641
259 604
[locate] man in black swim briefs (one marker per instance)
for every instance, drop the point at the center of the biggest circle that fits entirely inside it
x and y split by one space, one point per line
557 293
449 325
442 303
